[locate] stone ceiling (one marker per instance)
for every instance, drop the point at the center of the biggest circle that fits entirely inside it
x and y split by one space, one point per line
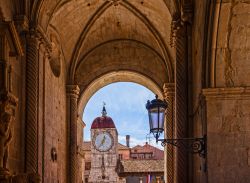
112 35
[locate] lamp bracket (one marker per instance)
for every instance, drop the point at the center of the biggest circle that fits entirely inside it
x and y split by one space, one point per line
192 145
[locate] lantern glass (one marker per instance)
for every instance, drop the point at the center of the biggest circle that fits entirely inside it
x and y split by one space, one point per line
156 113
156 119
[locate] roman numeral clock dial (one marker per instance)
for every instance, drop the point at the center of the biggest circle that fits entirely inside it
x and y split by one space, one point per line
103 142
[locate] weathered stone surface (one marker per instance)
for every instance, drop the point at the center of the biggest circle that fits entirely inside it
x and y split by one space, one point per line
233 45
227 129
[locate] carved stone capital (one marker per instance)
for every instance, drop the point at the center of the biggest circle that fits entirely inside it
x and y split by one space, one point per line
183 16
73 90
169 90
35 36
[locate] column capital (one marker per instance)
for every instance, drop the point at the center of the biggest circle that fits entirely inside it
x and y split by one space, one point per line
169 90
73 90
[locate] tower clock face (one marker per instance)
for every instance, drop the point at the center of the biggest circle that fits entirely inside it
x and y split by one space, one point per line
103 141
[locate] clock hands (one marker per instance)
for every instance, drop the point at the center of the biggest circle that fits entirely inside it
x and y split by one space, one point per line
102 142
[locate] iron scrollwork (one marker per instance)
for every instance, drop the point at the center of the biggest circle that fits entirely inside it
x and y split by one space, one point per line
192 145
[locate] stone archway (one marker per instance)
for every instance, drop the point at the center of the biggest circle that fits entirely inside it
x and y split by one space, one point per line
112 77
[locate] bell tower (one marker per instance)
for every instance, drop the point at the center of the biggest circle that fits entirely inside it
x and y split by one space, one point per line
104 150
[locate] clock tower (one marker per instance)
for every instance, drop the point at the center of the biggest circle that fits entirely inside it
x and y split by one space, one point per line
104 150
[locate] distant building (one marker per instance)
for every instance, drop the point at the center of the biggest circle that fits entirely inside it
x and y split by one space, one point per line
146 152
106 160
123 153
135 164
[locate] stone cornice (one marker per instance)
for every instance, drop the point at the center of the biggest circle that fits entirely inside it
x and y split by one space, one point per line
238 93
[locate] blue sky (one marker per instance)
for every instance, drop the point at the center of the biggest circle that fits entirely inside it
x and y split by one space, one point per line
125 104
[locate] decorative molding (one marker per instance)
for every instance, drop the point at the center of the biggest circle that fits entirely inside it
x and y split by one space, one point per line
182 16
237 93
169 89
73 90
9 30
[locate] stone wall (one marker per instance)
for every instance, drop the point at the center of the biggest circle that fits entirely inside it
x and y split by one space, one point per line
232 55
55 124
222 66
228 133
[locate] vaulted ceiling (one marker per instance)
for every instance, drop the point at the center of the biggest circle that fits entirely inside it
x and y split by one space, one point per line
100 36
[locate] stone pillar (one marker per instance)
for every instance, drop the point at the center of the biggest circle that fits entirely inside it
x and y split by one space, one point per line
169 92
72 97
182 19
181 94
31 154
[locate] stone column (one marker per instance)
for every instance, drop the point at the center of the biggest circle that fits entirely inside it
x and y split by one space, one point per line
181 101
31 153
169 92
72 97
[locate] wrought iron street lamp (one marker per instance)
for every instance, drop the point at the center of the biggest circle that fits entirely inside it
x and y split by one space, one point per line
156 113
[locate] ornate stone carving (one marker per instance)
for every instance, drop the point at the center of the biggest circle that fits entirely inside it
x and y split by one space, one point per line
8 104
56 56
182 16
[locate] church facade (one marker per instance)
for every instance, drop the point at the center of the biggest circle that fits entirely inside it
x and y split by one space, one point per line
55 54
